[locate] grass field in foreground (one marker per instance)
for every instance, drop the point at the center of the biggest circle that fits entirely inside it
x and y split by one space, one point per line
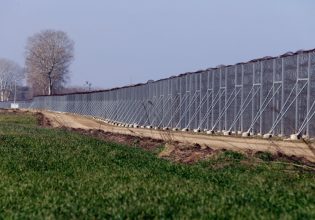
51 173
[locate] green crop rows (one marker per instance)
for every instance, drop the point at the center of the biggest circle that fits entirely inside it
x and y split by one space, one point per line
51 173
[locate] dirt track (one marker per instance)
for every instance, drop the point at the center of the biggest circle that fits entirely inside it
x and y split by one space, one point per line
296 148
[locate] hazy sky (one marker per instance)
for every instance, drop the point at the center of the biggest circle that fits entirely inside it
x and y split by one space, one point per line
118 42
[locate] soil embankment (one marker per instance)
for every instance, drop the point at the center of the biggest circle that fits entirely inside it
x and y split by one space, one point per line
191 146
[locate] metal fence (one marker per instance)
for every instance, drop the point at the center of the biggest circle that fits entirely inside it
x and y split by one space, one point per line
264 96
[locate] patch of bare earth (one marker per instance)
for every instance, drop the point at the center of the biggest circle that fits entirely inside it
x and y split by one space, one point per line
42 120
186 154
175 151
143 142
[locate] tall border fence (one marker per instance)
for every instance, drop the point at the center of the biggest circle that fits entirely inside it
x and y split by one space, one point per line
272 95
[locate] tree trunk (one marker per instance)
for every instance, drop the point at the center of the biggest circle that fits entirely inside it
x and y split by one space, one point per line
50 85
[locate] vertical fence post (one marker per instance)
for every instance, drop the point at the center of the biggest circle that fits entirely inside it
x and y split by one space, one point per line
296 93
208 101
253 94
308 96
261 96
235 97
282 96
212 99
242 99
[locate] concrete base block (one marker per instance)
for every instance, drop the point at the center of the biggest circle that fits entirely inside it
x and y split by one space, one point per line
210 132
142 126
246 134
136 126
156 128
197 130
295 137
267 136
305 136
165 128
227 133
149 126
185 129
175 129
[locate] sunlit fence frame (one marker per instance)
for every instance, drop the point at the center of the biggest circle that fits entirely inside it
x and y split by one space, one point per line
272 95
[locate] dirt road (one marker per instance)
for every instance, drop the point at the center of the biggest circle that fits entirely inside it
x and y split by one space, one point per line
297 148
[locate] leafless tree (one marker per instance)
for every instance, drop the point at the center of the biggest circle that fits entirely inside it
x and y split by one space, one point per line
48 57
11 75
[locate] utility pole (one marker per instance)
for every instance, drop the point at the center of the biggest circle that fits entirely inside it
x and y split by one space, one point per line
14 91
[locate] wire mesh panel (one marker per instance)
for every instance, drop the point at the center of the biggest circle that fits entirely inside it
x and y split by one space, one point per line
290 91
5 104
301 103
193 101
278 99
249 90
204 100
184 99
267 93
176 102
198 103
207 118
216 96
237 121
310 125
222 100
257 101
231 93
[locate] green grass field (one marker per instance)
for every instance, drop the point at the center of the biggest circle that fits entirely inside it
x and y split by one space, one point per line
51 173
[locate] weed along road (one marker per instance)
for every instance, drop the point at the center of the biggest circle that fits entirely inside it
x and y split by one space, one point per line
296 148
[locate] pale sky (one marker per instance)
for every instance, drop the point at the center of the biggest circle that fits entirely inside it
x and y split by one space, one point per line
118 42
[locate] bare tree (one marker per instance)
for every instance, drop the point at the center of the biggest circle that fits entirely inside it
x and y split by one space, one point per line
11 75
48 57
